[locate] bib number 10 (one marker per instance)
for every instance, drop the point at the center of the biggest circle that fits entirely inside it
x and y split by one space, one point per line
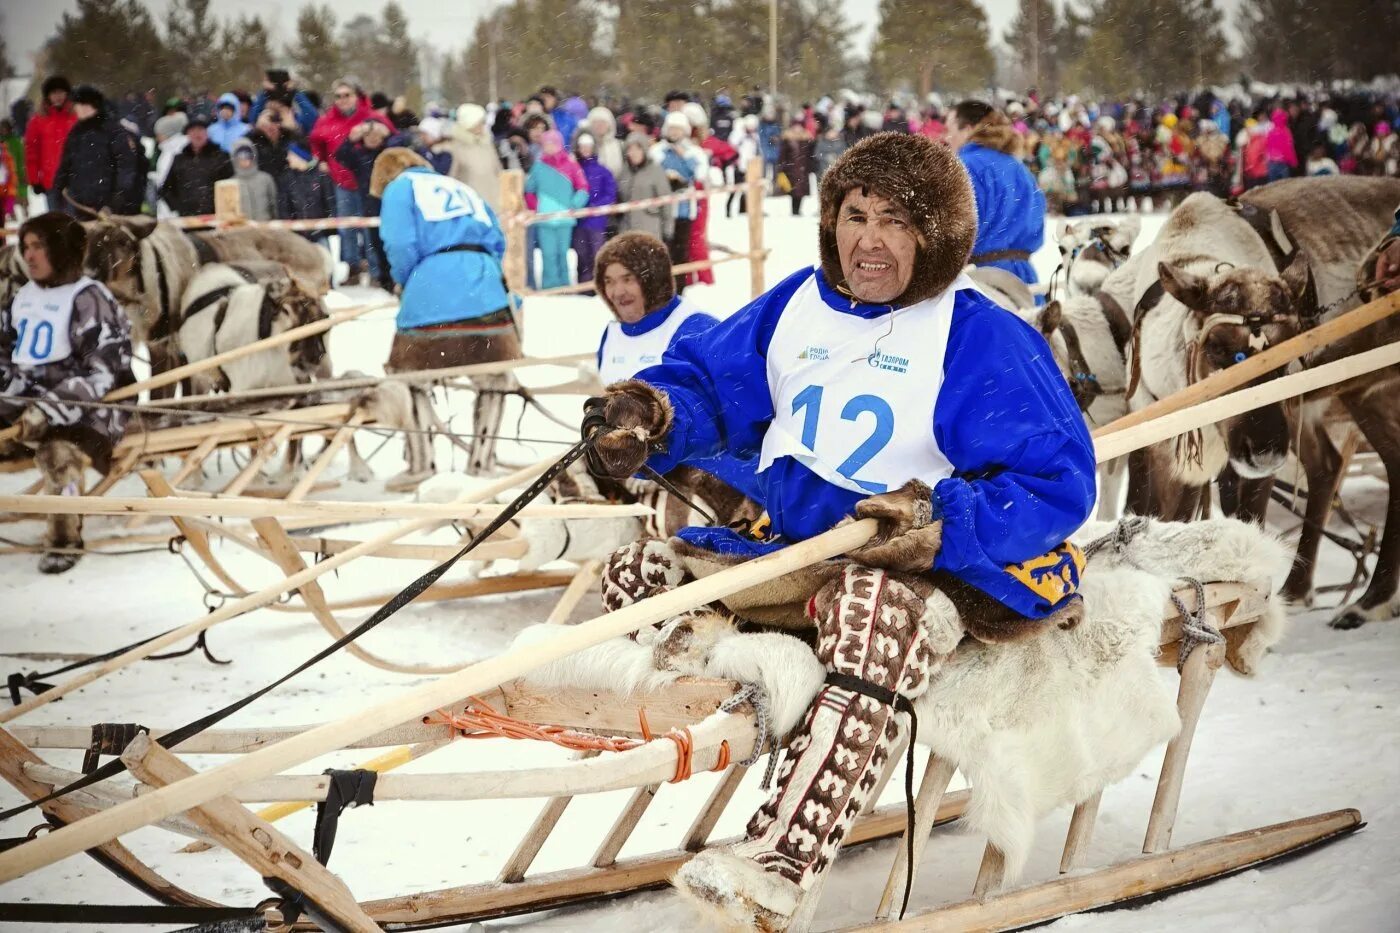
40 338
809 401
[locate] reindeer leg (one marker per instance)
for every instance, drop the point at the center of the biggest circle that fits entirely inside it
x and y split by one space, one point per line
360 470
1322 464
1379 422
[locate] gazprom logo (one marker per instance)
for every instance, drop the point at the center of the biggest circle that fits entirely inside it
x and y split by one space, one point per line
888 362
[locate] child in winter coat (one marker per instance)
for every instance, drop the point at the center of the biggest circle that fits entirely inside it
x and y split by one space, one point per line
257 192
590 232
555 183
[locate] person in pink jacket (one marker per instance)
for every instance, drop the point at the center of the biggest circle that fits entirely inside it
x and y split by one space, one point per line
349 108
1278 146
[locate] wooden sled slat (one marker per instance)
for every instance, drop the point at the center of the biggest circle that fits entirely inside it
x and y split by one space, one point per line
1138 877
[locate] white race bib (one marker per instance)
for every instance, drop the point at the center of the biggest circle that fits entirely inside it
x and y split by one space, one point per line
853 398
441 197
623 356
42 319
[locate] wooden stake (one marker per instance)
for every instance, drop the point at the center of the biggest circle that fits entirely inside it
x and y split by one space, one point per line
194 460
753 203
625 825
991 873
534 839
1225 380
419 700
937 775
228 205
333 447
1128 880
1081 831
513 203
578 588
254 465
1197 674
256 600
263 848
699 832
1108 446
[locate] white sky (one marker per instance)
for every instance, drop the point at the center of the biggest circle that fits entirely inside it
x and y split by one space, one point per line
27 23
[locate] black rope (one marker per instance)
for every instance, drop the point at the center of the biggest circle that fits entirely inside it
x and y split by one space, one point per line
403 598
36 683
670 487
904 705
210 919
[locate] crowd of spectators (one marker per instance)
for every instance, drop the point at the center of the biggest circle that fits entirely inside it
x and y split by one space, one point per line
298 155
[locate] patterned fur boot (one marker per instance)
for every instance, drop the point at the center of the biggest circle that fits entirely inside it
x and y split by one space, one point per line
62 464
890 631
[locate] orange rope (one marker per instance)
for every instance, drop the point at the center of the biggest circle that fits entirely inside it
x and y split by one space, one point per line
481 721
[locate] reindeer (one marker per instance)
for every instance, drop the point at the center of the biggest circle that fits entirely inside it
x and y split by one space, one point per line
1336 222
1092 249
1229 281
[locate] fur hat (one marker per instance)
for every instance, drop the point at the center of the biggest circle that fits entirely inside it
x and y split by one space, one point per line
64 239
924 178
645 257
389 165
87 94
675 119
471 116
56 83
695 113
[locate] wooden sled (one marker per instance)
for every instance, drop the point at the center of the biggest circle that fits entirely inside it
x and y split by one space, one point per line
716 738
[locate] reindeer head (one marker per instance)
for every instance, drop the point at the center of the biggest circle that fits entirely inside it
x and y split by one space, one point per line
1069 356
1236 313
1091 249
294 306
113 256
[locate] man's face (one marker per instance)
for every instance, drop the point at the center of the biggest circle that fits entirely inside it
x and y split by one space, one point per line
345 99
198 136
36 259
877 246
57 99
624 293
958 134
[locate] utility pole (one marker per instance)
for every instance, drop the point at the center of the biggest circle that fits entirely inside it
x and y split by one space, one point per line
773 50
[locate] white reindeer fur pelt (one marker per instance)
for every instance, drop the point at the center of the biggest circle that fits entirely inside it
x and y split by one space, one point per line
1032 725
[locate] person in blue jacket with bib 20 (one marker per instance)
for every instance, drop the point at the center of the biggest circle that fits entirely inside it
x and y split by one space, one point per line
879 384
445 247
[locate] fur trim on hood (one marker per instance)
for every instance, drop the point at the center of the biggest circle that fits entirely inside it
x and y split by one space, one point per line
645 257
995 131
389 165
928 181
64 239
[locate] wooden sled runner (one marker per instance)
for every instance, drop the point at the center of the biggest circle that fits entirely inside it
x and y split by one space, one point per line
717 737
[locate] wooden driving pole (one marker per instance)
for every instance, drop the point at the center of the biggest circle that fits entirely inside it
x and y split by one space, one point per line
753 203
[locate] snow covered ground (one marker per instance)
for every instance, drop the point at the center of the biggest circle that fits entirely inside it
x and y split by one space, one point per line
1315 731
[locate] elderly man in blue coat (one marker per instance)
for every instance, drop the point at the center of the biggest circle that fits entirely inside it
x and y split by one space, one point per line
1010 205
445 247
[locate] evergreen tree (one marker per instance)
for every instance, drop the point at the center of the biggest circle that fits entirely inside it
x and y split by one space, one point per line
112 44
1032 39
244 53
814 56
316 53
455 82
398 56
1151 46
938 45
661 46
1287 40
191 35
7 70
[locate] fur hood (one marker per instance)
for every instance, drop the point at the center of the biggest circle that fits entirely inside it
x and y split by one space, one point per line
64 239
996 132
929 182
389 165
645 257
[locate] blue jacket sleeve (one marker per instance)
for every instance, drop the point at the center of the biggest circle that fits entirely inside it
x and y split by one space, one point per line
1023 460
398 229
717 381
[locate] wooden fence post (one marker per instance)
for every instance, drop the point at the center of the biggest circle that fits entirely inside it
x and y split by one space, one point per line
753 200
512 204
227 205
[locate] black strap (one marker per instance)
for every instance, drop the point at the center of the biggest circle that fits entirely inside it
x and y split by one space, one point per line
403 598
35 682
109 738
1000 255
670 487
208 918
354 788
295 902
904 705
461 248
203 251
208 299
1118 324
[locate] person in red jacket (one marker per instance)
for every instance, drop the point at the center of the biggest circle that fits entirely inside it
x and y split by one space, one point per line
349 108
47 132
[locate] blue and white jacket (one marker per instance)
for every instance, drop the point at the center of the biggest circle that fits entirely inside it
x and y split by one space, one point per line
1010 208
842 399
626 349
423 215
